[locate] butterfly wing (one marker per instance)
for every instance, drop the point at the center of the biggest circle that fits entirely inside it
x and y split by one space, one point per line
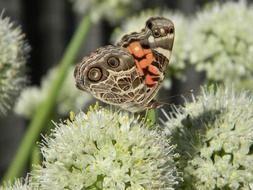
129 74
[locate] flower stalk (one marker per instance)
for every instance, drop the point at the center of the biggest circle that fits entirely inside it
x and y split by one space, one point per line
43 112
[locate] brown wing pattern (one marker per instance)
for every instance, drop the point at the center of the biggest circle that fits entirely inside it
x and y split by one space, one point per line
130 73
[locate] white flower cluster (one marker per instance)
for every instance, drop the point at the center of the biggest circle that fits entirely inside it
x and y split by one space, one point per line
214 136
222 43
69 99
13 54
17 185
112 10
106 150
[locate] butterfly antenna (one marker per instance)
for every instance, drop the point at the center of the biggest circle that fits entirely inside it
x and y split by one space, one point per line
190 92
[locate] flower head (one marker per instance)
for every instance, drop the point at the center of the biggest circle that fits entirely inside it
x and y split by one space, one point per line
19 184
69 98
179 52
222 43
13 54
112 10
214 135
106 150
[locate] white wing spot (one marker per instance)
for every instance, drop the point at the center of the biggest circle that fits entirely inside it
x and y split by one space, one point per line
164 52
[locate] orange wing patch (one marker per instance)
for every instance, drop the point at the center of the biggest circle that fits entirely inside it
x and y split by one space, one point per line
153 69
136 49
149 80
144 61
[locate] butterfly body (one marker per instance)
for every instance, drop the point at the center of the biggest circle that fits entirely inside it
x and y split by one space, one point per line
130 73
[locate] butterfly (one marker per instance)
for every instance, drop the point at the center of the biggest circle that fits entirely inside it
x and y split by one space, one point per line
129 74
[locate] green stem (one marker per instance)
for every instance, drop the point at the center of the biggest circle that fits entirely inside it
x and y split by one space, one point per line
35 156
43 111
151 116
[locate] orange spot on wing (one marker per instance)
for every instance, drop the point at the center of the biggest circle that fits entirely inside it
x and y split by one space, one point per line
147 51
149 80
129 50
149 57
136 49
146 60
144 63
153 69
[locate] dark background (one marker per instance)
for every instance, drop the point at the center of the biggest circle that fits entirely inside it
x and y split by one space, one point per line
49 25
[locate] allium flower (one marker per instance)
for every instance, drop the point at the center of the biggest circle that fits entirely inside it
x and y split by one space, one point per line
222 43
18 185
112 10
69 98
214 135
13 54
179 52
106 150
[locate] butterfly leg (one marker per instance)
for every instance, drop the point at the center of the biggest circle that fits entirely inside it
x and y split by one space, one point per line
153 104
